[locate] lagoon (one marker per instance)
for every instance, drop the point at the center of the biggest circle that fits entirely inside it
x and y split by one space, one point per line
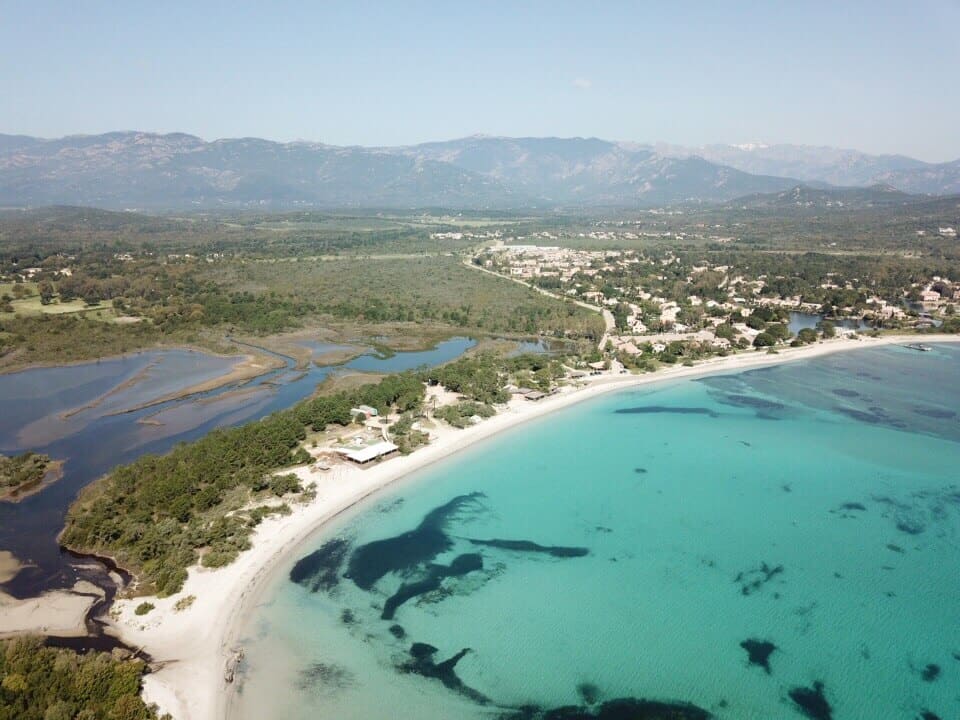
800 320
93 416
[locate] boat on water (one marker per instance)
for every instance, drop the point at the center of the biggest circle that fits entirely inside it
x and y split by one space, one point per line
918 346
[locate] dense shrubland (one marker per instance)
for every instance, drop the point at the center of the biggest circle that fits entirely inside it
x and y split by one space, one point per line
187 300
161 514
43 683
20 470
484 377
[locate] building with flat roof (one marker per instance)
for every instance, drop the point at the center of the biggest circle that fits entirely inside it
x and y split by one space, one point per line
369 453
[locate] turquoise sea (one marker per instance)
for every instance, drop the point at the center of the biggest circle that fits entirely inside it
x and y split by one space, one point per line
777 543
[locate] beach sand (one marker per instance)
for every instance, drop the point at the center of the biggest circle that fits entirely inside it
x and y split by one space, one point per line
9 566
195 645
61 612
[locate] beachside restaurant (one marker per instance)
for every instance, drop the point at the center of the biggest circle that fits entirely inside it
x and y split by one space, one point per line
528 393
368 453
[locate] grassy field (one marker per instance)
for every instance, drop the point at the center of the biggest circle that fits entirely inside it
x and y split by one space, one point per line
421 290
60 339
406 302
32 305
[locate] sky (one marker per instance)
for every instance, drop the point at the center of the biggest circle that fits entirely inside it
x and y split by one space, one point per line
876 76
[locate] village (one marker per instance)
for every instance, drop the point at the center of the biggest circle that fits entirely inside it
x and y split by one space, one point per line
665 305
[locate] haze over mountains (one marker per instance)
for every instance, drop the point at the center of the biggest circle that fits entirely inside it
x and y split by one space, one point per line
179 171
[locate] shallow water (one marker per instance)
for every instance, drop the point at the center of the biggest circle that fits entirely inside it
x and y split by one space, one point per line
83 414
800 320
814 505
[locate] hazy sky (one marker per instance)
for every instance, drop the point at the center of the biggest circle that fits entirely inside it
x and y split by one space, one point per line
881 77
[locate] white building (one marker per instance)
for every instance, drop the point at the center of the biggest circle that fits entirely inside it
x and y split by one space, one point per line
367 454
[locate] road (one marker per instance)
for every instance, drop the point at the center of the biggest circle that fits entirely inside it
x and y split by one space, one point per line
609 323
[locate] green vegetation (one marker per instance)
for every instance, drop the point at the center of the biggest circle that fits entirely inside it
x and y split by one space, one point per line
460 414
143 608
484 377
405 436
184 603
82 283
82 298
161 514
764 339
41 683
478 378
22 471
423 290
71 338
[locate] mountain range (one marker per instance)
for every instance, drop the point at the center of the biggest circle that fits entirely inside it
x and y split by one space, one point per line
178 171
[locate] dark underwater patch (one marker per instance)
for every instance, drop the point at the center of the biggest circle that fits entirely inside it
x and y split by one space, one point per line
927 715
320 569
389 507
930 673
759 652
422 663
849 510
640 471
812 702
891 502
588 692
398 632
874 415
324 676
372 561
618 709
750 581
935 413
655 409
910 526
720 381
860 415
528 546
843 392
761 405
461 565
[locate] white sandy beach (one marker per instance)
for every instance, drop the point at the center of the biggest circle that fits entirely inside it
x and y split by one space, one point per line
59 612
195 645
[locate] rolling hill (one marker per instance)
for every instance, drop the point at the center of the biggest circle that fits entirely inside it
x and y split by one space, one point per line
145 170
178 171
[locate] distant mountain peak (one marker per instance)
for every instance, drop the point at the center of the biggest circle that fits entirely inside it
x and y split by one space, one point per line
830 165
177 170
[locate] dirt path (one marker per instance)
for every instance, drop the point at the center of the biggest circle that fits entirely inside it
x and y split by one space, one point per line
608 320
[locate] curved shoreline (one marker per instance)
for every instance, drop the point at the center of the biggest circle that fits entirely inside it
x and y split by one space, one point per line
196 644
